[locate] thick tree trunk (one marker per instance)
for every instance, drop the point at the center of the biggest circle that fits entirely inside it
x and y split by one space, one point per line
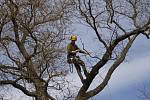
41 91
81 96
41 95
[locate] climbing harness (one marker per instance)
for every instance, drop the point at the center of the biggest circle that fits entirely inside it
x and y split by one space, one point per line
71 62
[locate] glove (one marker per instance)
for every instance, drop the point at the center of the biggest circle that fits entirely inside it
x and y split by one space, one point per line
75 51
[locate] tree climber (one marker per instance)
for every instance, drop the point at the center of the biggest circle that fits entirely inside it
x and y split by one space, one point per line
72 49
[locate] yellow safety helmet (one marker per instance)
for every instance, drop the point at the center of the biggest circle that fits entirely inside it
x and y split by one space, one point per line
73 38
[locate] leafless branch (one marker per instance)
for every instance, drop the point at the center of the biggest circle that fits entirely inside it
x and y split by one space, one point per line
118 61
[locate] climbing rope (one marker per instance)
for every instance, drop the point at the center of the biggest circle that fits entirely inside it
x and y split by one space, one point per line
71 68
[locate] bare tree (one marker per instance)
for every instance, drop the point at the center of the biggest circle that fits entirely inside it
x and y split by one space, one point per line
31 45
122 21
32 34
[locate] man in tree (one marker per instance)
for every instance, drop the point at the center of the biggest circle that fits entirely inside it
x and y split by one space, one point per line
72 49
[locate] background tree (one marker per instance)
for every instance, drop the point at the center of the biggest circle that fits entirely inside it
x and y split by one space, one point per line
116 24
31 45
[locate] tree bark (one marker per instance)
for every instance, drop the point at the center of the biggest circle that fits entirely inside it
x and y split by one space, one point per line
41 91
80 97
